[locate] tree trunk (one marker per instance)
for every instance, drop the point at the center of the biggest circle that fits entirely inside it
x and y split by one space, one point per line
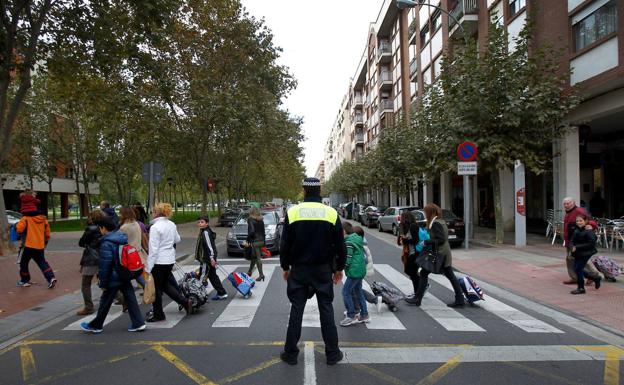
52 199
5 245
498 206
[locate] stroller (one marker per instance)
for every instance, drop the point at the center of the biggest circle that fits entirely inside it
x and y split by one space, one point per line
389 295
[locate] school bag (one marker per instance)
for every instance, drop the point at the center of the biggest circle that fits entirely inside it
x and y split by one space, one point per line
130 264
471 290
192 288
389 295
242 282
606 266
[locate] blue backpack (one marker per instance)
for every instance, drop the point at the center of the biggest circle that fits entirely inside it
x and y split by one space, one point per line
423 235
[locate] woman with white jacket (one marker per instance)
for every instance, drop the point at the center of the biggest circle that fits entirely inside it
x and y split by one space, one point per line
163 237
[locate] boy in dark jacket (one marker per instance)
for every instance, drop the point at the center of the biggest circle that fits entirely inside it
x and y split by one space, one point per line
206 254
583 244
111 282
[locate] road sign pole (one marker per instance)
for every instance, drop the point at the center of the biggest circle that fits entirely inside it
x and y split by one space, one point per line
520 205
151 186
467 221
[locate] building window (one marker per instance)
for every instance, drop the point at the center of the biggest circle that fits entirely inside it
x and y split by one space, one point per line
596 26
424 36
515 6
436 21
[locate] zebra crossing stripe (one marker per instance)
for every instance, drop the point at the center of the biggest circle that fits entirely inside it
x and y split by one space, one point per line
513 316
172 313
240 312
311 315
109 318
450 319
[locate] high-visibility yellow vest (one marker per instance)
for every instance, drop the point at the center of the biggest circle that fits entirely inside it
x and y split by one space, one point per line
312 211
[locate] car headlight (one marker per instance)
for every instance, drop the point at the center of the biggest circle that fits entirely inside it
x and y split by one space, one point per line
230 236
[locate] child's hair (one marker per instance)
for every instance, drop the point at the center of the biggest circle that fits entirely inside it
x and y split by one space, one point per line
348 228
359 231
583 217
204 218
107 223
163 210
29 192
94 217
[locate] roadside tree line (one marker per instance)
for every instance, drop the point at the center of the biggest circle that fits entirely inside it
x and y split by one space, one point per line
510 99
103 86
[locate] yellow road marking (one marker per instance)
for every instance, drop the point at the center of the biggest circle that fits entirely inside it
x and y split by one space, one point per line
250 371
174 343
182 366
441 371
379 374
29 370
612 362
89 366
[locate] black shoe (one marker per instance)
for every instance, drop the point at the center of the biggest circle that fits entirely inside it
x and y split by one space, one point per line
336 360
290 360
578 291
597 283
416 301
456 304
154 319
260 278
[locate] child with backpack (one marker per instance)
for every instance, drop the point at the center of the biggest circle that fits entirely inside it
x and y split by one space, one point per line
583 244
206 254
29 203
355 270
114 277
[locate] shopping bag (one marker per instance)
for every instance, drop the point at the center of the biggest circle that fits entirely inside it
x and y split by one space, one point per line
149 294
265 252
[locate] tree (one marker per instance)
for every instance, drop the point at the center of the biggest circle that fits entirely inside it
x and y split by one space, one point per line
511 102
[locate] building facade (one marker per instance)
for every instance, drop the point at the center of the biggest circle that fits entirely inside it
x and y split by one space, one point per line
403 54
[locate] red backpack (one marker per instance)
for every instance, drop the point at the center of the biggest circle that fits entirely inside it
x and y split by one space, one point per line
130 264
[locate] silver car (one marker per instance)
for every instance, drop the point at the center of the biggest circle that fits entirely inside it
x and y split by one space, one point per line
391 218
13 217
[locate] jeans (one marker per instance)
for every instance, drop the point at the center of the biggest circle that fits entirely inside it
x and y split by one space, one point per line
302 282
39 258
449 274
354 286
108 296
161 275
588 271
579 267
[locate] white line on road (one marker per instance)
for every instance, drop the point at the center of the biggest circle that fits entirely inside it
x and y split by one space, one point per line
309 373
506 312
442 354
240 311
450 319
109 318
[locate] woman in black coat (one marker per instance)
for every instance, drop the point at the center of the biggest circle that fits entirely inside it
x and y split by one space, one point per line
583 243
255 240
408 237
90 241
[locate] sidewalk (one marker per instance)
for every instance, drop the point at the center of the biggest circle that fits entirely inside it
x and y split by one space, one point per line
537 272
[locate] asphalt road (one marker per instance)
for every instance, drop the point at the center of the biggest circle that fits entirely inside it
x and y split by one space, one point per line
238 341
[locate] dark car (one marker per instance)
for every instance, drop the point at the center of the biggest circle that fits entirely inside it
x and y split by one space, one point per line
359 212
370 215
237 235
456 225
229 216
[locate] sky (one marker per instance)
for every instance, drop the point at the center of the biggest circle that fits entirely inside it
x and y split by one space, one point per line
322 43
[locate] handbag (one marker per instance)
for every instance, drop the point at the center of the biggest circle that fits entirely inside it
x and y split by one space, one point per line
429 259
149 293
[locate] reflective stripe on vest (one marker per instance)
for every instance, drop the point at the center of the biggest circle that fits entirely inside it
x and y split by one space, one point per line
312 211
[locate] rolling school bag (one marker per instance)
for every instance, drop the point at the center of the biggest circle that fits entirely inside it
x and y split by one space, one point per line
606 266
471 290
389 295
242 282
193 289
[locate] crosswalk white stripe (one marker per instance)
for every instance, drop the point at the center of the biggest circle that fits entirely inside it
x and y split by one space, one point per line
172 314
109 318
311 315
506 312
450 319
240 312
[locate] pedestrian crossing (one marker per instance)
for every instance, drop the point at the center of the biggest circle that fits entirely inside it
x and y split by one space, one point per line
239 312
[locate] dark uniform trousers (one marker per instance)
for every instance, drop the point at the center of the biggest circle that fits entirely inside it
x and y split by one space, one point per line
303 282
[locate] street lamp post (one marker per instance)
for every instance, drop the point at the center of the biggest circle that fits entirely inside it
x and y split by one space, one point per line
403 4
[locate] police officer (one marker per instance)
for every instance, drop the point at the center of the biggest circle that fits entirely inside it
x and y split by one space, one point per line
313 256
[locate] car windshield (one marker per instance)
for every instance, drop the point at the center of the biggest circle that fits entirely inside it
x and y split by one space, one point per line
268 218
14 214
448 214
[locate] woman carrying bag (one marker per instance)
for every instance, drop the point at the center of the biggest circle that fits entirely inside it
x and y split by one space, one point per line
408 238
255 240
437 247
89 262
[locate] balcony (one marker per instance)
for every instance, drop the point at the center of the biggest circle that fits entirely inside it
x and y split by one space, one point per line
411 33
358 101
413 70
385 80
358 140
467 13
384 52
386 106
358 120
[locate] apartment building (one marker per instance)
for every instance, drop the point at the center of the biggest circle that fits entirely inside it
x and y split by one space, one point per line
403 54
339 141
320 172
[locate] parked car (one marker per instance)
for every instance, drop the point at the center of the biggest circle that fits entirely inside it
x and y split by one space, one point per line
359 211
370 216
237 235
229 216
391 218
456 225
13 217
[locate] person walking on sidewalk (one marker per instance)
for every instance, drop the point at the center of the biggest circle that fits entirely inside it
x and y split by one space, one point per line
111 282
313 255
569 227
35 232
161 258
206 254
408 237
583 244
439 242
355 270
90 260
255 240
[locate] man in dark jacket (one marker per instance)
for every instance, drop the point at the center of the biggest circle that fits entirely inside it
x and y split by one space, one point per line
312 255
111 282
110 212
569 225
